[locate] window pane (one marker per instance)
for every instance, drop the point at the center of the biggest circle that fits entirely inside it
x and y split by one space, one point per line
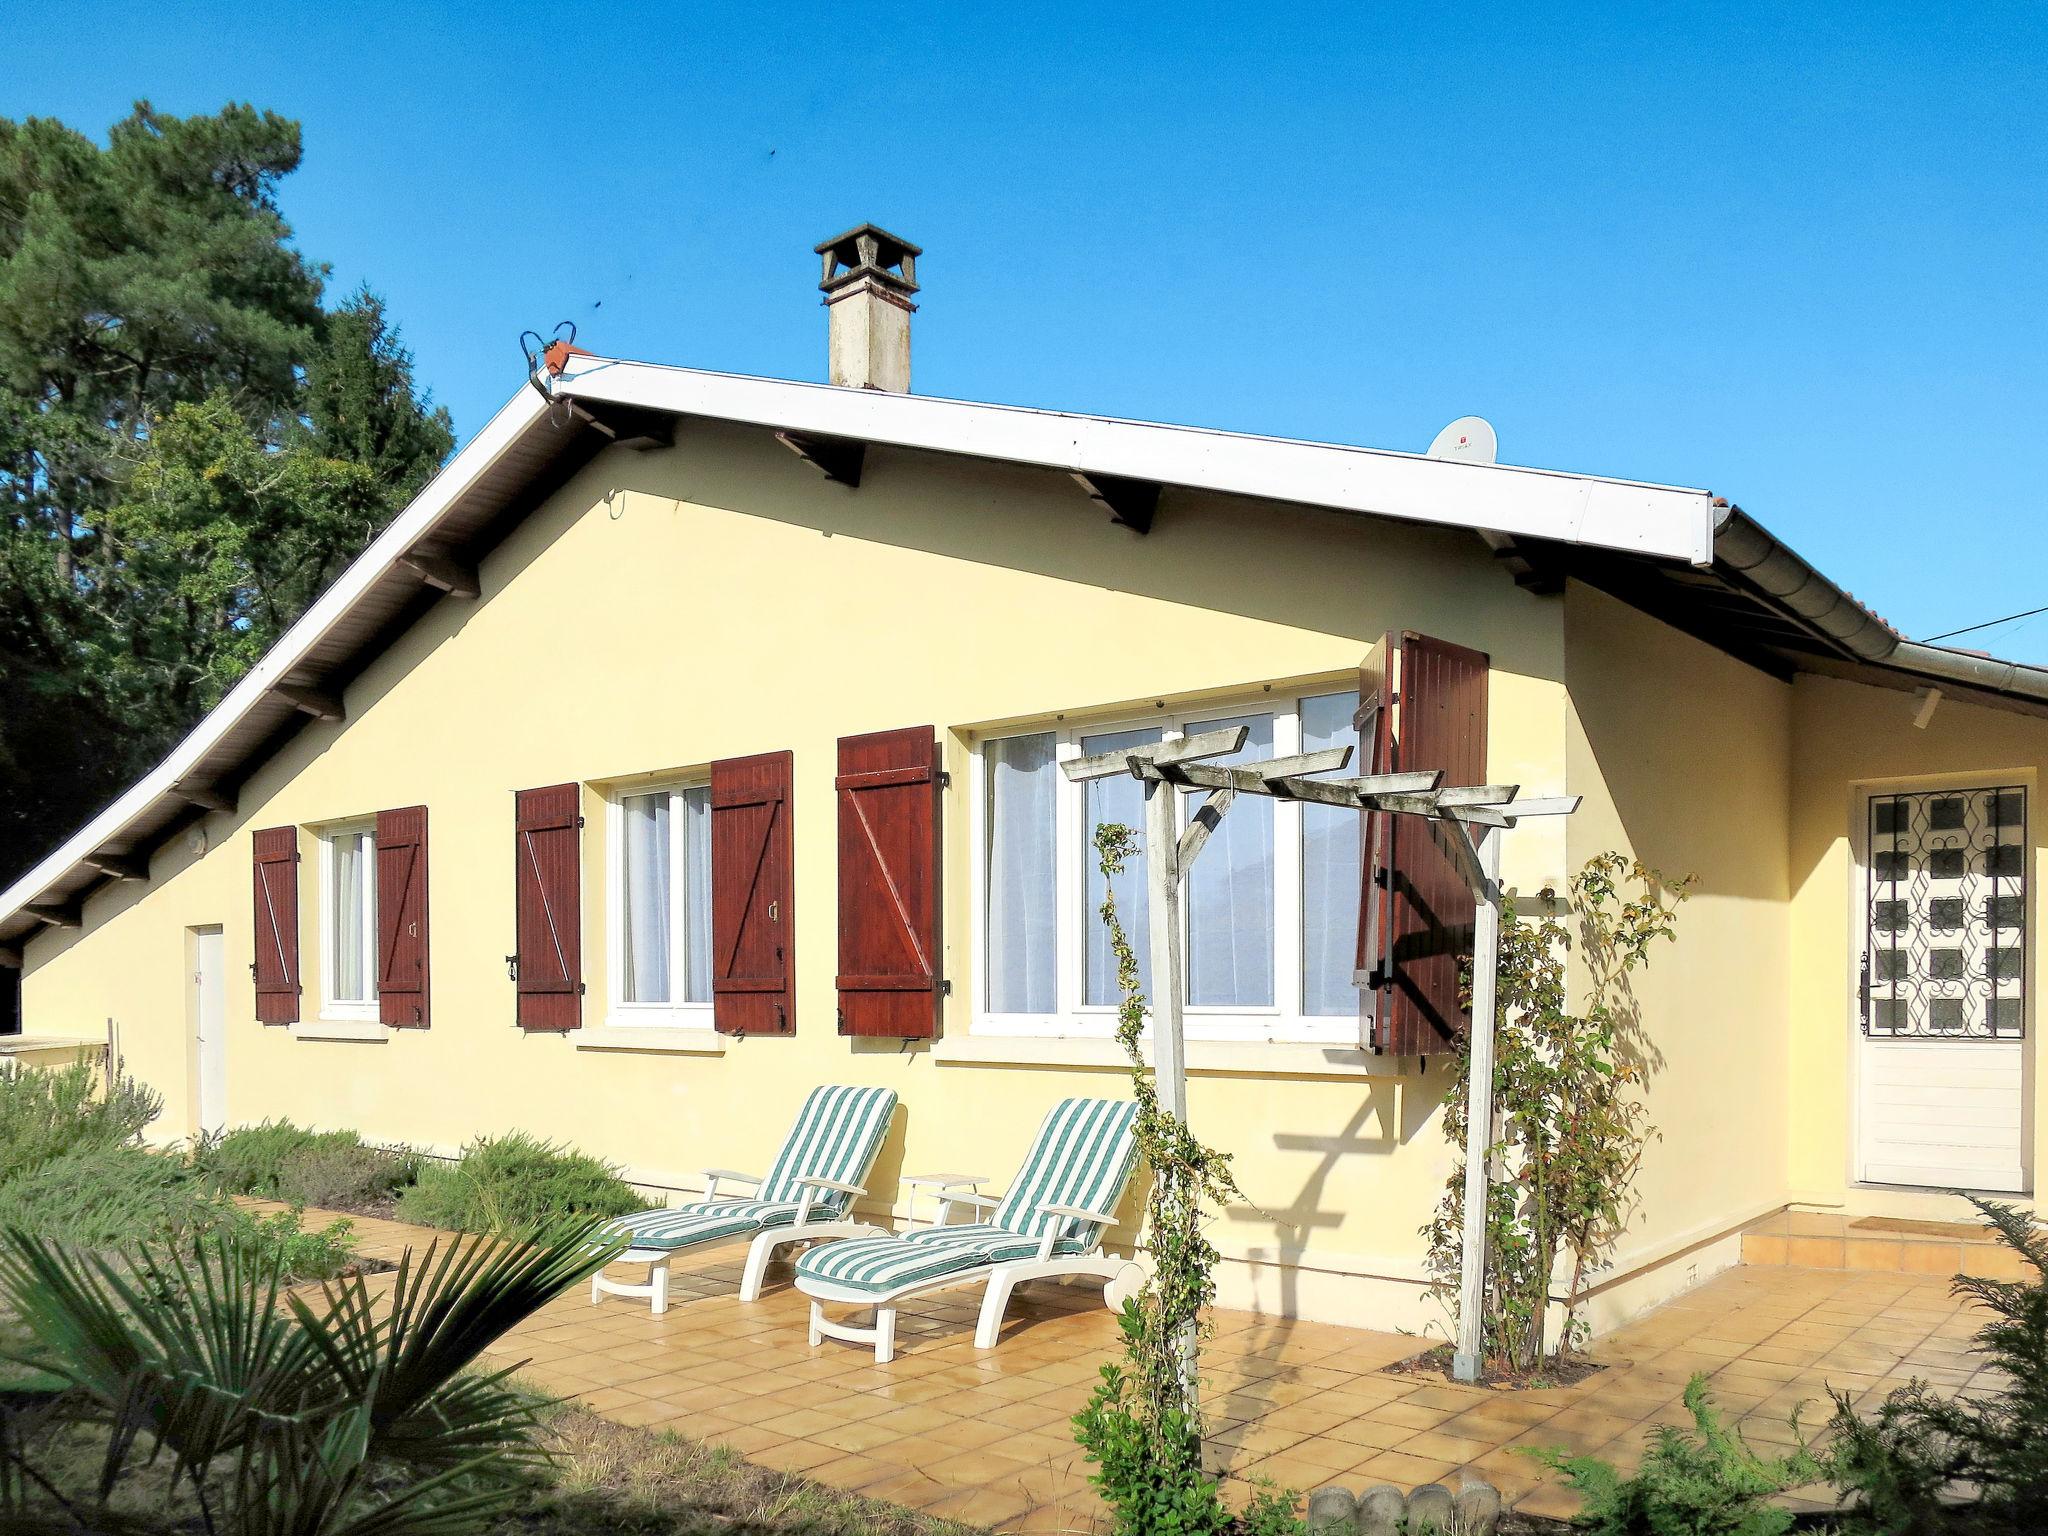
644 898
1022 958
1230 890
1329 870
1106 801
355 862
697 895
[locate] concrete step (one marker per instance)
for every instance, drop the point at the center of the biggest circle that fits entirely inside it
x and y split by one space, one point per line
1829 1240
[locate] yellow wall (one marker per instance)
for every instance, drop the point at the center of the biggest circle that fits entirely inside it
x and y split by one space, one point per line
716 599
1851 738
1684 756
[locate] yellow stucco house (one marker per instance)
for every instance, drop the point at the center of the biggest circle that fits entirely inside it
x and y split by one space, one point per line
550 813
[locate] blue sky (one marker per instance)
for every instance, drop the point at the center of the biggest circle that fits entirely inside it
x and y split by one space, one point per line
1795 255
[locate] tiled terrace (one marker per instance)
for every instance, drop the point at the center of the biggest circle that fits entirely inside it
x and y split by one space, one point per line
983 1437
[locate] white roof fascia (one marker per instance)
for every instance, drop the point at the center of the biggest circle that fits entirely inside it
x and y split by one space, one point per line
406 530
1631 516
1637 518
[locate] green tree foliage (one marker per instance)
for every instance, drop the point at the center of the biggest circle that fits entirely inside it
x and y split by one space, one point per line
191 447
1567 1092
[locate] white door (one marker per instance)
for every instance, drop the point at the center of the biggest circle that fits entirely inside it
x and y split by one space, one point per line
1941 1080
209 1011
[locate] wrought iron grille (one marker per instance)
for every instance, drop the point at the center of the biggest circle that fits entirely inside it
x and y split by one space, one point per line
1944 953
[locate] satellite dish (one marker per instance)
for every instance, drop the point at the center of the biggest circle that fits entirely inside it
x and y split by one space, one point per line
1469 438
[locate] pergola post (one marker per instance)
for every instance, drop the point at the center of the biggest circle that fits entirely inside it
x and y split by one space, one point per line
1162 882
1468 1355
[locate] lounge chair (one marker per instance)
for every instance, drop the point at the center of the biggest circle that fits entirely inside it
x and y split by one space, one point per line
1050 1224
805 1195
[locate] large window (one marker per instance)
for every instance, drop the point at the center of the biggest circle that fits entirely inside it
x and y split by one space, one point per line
348 930
1270 907
660 907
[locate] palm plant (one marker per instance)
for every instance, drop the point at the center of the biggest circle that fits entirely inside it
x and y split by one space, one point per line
353 1415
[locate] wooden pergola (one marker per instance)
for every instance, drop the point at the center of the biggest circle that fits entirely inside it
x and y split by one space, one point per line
1466 820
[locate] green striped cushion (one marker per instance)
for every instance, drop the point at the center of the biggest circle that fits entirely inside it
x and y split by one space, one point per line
1082 1158
836 1136
878 1265
704 1221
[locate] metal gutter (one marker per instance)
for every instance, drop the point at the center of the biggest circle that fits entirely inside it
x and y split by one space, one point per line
1972 669
1832 615
1748 548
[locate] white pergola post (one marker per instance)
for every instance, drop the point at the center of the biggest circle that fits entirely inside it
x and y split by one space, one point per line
1162 890
1468 1355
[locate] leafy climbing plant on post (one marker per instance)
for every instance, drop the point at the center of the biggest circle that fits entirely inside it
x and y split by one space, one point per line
1567 1088
1142 1428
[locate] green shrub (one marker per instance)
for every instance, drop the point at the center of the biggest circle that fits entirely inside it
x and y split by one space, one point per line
1702 1482
508 1183
104 1196
281 1241
44 1115
1902 1471
281 1161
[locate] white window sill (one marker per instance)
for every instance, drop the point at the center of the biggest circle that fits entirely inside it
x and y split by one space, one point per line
647 1037
340 1027
1241 1058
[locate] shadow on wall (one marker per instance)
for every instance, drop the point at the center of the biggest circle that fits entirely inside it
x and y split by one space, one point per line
1393 1113
1325 571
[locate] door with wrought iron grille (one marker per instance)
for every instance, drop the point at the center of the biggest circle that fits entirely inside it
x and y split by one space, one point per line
1942 999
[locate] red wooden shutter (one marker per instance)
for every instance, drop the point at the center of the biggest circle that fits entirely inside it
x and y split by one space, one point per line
1417 916
277 925
888 788
402 917
549 887
753 923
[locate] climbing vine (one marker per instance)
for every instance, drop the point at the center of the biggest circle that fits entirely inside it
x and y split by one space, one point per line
1568 1095
1142 1428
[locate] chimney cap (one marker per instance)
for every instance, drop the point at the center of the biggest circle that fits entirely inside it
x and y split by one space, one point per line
869 251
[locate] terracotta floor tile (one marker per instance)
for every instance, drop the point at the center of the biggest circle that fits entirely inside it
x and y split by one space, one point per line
984 1436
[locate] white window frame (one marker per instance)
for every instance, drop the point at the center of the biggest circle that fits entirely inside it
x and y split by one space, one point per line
355 1009
1281 1022
620 1014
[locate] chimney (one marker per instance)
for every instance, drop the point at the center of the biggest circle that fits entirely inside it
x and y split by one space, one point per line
869 278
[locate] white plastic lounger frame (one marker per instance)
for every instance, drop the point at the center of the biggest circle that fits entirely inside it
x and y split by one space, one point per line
760 1250
1050 1225
1120 1277
806 1196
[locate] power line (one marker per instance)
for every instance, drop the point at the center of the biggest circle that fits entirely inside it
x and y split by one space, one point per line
1987 624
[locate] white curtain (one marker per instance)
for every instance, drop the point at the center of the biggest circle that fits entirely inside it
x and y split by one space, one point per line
1329 869
1230 889
1023 959
353 858
1118 799
645 852
697 895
